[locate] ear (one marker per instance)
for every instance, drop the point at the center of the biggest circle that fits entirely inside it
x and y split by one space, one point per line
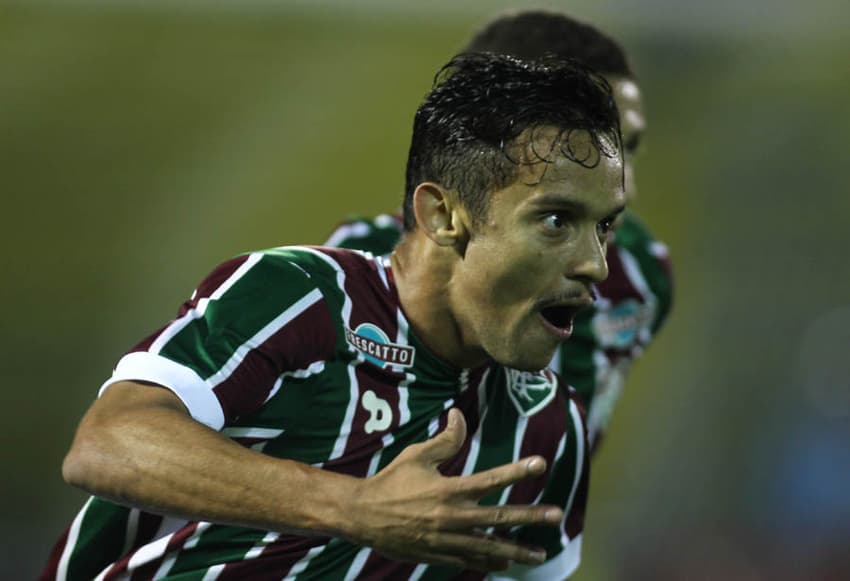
440 215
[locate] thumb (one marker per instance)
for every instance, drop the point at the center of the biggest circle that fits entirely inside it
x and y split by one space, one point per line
447 443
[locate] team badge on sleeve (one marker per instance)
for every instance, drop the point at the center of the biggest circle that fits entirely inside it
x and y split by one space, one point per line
531 390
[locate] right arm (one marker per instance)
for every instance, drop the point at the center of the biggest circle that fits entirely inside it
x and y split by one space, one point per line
137 445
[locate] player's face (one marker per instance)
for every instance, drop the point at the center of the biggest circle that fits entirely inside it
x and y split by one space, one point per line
632 125
530 266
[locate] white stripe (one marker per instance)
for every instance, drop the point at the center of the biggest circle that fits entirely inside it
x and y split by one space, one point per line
279 322
418 571
387 221
404 385
71 541
258 548
357 564
193 541
314 368
251 432
149 553
353 398
382 272
580 437
298 567
355 230
522 425
659 249
475 441
555 364
201 402
386 442
189 543
213 572
131 530
178 325
354 391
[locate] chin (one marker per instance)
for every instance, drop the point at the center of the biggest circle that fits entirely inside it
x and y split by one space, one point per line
529 361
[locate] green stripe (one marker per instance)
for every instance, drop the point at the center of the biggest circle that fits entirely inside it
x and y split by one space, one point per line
101 539
218 544
261 295
378 240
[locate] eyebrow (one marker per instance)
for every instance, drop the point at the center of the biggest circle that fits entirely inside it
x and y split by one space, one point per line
559 202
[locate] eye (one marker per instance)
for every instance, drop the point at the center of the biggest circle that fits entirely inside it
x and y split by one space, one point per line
604 227
554 223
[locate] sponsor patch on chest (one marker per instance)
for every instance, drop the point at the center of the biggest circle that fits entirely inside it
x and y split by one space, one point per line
531 390
377 348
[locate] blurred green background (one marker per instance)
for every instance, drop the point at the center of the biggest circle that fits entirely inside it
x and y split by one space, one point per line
143 142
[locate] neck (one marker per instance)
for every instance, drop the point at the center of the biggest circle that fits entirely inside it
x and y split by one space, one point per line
423 274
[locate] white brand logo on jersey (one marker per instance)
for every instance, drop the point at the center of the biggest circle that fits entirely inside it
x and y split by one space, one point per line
531 391
380 412
377 347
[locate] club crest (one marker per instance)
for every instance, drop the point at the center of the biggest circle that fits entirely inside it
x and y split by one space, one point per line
531 390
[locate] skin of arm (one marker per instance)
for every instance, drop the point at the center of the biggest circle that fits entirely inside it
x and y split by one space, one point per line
137 445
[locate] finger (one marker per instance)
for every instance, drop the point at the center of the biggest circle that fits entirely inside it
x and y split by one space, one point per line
447 443
495 479
505 516
485 552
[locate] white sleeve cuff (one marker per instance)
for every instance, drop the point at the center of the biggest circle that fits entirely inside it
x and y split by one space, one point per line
560 566
193 391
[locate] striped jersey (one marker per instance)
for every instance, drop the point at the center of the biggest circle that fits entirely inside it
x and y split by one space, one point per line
631 306
304 353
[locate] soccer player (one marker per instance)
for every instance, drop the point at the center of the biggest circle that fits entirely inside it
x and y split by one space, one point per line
635 299
319 413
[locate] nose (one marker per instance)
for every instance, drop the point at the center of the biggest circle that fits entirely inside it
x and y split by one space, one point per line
589 262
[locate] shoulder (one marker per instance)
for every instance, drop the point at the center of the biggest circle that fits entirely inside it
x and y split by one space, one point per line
645 258
377 235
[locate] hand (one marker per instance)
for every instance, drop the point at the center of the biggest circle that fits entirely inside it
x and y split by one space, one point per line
411 512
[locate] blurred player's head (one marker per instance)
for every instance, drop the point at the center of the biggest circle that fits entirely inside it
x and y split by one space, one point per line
480 123
514 178
532 34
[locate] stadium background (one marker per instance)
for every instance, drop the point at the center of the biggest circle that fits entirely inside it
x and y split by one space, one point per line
142 142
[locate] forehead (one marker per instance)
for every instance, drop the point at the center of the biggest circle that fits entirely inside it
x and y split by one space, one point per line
596 184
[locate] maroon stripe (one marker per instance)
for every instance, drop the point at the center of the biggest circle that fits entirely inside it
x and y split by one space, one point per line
617 287
379 567
575 519
274 562
175 543
302 341
147 529
54 557
542 435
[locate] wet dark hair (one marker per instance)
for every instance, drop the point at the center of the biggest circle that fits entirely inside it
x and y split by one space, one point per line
484 119
532 34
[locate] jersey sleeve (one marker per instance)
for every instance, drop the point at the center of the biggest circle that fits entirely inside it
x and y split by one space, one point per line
377 235
567 487
251 320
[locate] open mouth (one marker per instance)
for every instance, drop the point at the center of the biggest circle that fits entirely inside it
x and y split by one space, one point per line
560 316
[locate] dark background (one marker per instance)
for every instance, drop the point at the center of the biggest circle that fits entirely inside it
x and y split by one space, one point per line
143 142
